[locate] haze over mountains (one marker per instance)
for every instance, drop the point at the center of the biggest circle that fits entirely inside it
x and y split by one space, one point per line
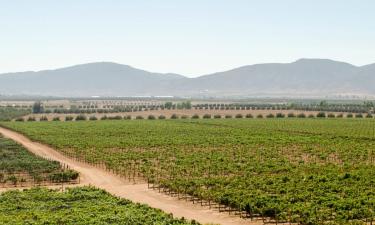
305 77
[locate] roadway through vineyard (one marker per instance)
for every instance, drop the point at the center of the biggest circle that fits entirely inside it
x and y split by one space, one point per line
135 192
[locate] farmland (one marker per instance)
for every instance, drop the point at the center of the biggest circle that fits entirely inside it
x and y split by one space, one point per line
78 206
19 167
307 171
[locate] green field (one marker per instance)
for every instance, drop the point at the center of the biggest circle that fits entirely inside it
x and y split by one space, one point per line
310 171
9 113
77 206
19 167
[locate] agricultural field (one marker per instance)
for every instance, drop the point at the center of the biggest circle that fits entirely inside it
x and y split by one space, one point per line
307 171
20 168
77 206
9 113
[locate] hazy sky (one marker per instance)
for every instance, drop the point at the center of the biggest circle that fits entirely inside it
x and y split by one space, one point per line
190 37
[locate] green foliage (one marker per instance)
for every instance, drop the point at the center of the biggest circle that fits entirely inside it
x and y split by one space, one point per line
15 159
306 170
151 117
77 206
249 116
239 116
69 118
9 113
38 107
195 116
81 118
174 116
206 116
321 115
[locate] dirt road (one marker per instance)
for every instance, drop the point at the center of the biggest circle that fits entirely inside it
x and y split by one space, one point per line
137 193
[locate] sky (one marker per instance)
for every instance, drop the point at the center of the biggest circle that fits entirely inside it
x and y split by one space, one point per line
189 37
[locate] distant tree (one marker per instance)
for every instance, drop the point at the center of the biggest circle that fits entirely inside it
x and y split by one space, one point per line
195 116
323 104
37 107
168 105
291 115
206 116
238 116
174 116
249 116
321 115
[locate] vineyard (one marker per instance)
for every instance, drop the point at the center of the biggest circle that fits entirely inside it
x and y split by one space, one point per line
78 206
306 171
19 167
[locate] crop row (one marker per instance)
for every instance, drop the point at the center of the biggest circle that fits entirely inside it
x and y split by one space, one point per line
77 206
20 167
306 171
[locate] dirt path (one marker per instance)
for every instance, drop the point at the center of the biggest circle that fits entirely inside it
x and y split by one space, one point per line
137 193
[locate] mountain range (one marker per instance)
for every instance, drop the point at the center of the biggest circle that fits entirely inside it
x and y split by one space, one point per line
304 77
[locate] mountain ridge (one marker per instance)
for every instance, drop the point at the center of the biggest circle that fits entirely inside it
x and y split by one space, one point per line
312 76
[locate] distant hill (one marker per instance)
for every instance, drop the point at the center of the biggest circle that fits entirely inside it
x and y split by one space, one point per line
305 77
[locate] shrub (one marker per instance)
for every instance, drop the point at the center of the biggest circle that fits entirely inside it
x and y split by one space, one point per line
239 116
359 115
249 116
228 116
260 116
139 117
43 118
280 115
161 117
93 118
301 115
105 117
291 115
340 115
31 119
369 115
115 117
311 116
270 116
207 116
321 115
184 117
217 116
195 116
128 117
56 118
331 115
151 117
174 116
349 115
69 118
81 118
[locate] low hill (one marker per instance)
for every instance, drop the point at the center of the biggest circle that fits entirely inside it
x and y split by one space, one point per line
305 77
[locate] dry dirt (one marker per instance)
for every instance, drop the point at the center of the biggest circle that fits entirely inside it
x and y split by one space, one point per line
135 192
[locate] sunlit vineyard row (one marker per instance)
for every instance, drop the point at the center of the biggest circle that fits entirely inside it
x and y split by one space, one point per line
19 167
306 171
77 206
